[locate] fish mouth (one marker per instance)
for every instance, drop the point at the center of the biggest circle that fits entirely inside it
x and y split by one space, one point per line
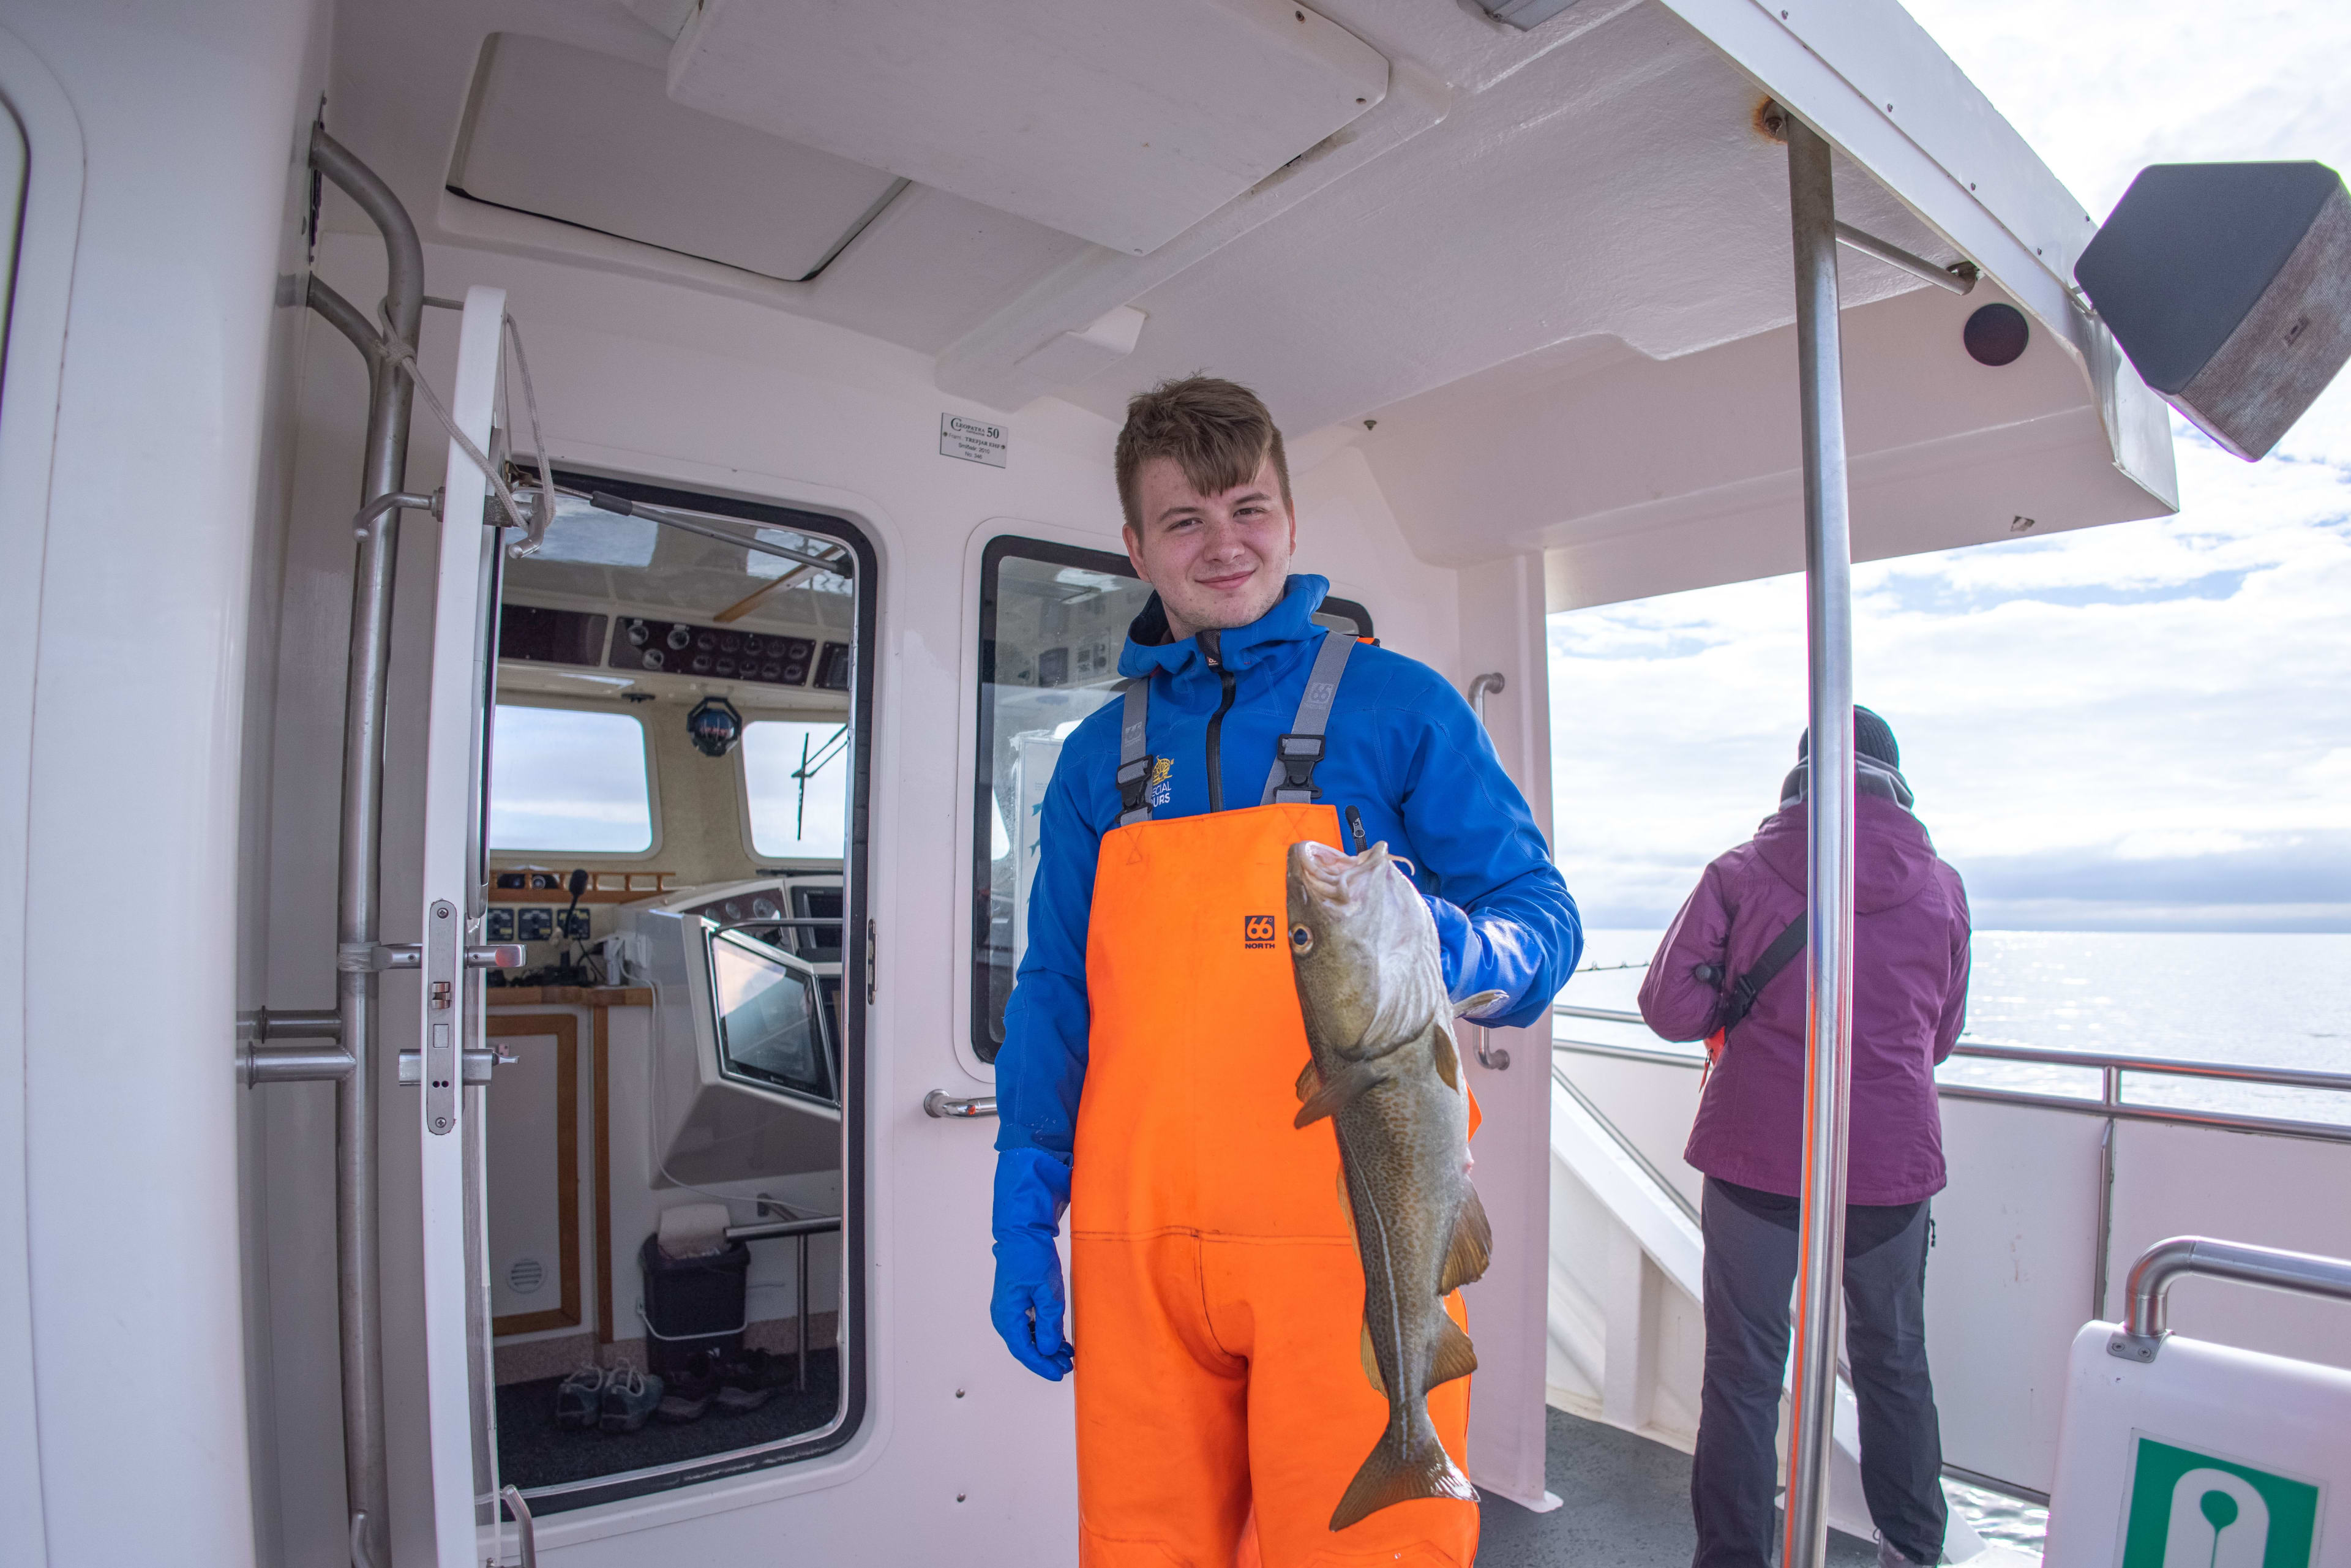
1332 876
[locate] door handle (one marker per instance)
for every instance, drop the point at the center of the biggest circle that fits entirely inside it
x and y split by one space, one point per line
497 955
939 1103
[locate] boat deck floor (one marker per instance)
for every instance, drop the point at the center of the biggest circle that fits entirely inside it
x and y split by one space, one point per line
1623 1503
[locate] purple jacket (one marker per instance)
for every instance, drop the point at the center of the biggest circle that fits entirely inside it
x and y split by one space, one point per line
1909 995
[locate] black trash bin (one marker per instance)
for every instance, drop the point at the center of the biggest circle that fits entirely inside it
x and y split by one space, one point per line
692 1304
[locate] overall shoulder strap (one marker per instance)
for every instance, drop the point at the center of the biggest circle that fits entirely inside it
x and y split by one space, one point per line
1740 1001
1291 781
1134 762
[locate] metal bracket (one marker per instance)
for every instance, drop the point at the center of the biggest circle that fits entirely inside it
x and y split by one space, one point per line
443 938
512 1497
367 957
2128 1347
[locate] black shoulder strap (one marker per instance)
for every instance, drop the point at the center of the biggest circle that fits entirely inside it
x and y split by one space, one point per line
1740 1000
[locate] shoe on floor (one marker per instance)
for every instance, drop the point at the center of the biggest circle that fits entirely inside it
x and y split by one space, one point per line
740 1401
579 1399
630 1399
1891 1556
690 1392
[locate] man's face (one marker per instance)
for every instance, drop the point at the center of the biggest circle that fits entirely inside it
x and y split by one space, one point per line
1216 560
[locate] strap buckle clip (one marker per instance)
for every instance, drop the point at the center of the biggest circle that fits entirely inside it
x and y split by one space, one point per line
1298 755
1134 782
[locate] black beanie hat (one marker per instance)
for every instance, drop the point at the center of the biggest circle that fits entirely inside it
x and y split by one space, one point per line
1871 736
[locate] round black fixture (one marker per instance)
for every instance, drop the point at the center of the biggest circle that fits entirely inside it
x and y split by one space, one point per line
715 726
1996 335
639 633
680 637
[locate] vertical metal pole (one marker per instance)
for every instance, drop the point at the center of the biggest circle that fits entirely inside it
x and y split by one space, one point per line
384 464
1828 947
2111 1092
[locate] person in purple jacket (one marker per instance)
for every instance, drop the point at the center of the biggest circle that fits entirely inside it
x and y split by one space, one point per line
1726 960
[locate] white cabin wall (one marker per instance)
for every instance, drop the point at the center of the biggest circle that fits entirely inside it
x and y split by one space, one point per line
193 125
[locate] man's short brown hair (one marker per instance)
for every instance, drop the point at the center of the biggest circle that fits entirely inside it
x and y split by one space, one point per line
1218 433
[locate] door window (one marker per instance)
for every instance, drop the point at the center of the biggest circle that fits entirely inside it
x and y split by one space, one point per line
1052 619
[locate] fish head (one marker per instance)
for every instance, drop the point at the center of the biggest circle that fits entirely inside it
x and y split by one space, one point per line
1363 947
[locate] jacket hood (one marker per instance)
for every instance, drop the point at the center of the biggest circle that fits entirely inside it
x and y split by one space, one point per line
1148 651
1892 860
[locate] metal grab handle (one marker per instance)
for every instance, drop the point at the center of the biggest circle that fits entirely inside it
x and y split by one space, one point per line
938 1103
528 1531
2163 1264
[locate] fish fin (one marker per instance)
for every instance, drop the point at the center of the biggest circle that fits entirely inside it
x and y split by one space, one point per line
1481 1002
1471 1249
1372 1361
1455 1357
1310 1079
1337 1093
1423 1469
1448 1057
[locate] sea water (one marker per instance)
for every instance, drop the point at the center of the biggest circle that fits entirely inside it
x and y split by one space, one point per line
2245 999
2249 1000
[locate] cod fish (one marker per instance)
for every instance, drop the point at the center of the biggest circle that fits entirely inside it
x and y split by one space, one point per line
1385 1070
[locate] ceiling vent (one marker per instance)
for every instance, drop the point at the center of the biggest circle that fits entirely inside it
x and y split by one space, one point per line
1123 124
569 134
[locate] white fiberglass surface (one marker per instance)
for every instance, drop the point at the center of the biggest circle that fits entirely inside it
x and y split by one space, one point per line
796 783
563 779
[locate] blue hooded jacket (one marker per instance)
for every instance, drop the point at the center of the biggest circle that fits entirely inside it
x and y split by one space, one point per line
1402 747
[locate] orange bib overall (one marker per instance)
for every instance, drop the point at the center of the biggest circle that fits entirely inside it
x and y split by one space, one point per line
1218 1297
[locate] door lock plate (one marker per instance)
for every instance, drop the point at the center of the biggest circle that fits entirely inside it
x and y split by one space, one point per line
443 1074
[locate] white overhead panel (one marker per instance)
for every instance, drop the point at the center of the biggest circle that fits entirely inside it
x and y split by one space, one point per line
1123 124
583 138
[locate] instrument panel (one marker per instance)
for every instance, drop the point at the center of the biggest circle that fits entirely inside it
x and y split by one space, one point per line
537 634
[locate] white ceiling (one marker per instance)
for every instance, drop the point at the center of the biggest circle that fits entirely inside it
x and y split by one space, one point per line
593 140
1121 124
1563 211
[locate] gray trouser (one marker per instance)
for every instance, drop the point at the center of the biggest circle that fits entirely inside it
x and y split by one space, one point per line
1750 1274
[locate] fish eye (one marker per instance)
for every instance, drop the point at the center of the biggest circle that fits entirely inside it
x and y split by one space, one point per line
1301 938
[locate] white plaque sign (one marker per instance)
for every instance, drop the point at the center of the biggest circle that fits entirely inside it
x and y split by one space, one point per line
973 440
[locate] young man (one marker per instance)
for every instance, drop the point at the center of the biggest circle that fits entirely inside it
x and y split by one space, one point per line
1153 1040
1726 952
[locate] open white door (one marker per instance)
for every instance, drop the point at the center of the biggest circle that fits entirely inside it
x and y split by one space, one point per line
457 1385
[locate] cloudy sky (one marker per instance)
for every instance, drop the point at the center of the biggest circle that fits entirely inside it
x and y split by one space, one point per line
2140 726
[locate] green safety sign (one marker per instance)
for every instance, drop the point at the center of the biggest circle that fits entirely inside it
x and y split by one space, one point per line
2188 1510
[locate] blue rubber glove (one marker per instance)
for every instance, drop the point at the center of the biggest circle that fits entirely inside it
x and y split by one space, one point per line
1484 953
1032 1187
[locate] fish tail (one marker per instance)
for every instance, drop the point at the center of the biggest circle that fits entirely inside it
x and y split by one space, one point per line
1395 1473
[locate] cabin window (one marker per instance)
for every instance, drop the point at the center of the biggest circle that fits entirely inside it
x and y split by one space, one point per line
795 787
570 779
1052 619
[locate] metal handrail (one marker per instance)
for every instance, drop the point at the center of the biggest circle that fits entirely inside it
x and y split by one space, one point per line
2162 1265
2183 1067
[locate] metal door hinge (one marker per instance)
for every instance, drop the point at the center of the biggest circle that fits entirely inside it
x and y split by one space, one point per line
869 962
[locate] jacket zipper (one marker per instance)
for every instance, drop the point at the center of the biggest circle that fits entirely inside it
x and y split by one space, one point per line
1216 723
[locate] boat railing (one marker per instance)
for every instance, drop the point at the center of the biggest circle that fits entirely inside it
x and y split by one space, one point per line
2110 1066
